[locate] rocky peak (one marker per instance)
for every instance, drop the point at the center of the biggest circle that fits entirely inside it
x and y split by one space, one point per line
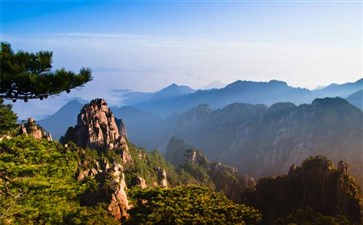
32 129
163 183
97 128
194 156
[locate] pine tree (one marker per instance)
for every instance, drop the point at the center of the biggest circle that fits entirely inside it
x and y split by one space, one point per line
25 75
7 119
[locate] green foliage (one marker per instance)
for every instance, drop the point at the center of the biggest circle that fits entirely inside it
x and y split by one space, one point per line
90 216
188 205
316 184
27 75
186 178
214 175
317 162
309 217
199 172
7 119
37 184
144 164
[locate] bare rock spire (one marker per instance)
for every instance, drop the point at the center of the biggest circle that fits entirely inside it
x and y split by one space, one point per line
97 128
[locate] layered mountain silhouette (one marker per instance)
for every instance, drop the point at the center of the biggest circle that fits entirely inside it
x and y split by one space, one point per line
146 112
356 99
146 130
171 91
214 85
239 91
95 175
65 117
341 90
216 175
246 135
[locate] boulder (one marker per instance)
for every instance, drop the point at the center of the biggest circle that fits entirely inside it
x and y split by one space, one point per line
34 130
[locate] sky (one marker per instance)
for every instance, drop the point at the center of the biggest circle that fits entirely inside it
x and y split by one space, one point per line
147 45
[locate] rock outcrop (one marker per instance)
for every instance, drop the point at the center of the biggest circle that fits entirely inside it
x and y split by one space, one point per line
316 184
194 156
139 182
97 128
216 175
32 129
163 182
112 185
119 203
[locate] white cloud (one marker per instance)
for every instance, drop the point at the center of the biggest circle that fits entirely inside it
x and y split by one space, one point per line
148 63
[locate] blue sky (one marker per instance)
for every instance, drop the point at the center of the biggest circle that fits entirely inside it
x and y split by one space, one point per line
310 22
146 45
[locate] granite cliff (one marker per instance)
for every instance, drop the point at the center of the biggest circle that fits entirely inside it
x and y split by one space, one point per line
32 129
97 128
317 184
108 160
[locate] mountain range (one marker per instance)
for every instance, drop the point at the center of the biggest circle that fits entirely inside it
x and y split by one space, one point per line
239 91
143 112
356 99
171 91
95 175
244 134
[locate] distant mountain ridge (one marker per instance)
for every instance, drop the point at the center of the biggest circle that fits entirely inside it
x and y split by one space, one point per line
245 135
58 123
214 85
153 108
239 91
356 99
216 175
171 91
341 90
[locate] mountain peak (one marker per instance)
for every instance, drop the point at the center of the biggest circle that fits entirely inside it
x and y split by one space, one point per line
278 82
360 81
175 86
247 83
173 90
216 84
329 101
96 128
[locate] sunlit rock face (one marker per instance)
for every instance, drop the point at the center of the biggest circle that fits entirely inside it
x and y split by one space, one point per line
114 193
119 203
97 128
32 129
163 182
